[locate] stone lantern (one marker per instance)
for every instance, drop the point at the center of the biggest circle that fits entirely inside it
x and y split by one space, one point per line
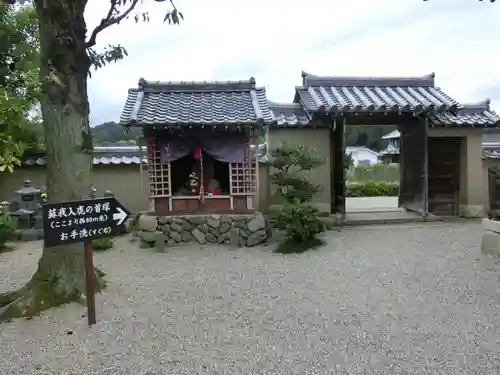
26 205
29 196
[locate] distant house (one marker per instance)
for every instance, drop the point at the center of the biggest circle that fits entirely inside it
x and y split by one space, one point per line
362 155
390 154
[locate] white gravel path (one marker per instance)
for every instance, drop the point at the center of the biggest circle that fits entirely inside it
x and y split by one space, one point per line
386 300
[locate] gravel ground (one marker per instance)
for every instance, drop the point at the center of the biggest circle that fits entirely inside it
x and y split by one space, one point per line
417 299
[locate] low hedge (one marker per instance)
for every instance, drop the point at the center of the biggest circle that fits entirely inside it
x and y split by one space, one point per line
372 189
7 229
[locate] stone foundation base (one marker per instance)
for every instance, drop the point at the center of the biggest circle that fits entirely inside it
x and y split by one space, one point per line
235 230
490 243
469 210
29 234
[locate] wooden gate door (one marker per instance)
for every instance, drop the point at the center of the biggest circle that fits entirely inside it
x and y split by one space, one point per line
444 175
414 183
338 168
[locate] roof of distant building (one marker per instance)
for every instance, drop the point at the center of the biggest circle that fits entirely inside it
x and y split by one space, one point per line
113 155
110 155
395 134
351 149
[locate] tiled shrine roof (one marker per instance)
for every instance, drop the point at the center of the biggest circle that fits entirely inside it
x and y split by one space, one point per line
196 103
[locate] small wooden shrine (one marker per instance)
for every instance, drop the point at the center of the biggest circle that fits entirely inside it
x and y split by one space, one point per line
200 139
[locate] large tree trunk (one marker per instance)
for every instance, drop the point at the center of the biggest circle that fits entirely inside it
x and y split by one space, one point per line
65 109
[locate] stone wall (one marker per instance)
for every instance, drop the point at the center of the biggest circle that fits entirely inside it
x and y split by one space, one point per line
234 230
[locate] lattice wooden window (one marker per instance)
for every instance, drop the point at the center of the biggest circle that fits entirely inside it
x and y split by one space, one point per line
243 176
159 173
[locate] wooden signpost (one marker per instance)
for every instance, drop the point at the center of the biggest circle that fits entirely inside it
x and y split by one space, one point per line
83 221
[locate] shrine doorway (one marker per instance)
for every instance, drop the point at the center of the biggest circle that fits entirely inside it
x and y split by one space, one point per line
412 199
371 184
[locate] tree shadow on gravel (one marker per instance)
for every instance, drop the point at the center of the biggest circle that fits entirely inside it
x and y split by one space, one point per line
292 247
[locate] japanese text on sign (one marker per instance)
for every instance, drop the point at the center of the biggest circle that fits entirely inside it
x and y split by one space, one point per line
84 233
67 217
81 210
80 221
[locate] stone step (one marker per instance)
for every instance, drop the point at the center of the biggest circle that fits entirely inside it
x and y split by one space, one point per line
379 218
494 212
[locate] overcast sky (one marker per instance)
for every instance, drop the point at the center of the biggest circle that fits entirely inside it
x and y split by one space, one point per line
274 40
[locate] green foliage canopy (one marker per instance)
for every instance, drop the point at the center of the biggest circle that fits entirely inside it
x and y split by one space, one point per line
111 133
19 83
290 161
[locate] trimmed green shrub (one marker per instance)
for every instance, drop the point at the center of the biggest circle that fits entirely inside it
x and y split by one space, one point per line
293 211
302 222
372 188
290 161
7 229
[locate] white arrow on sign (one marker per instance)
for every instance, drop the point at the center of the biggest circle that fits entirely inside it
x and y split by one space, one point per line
120 216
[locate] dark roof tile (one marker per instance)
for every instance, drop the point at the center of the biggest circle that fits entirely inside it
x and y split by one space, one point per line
102 155
372 94
478 114
196 103
289 114
346 81
241 102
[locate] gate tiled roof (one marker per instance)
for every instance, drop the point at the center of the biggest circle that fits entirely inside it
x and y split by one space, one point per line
196 103
372 94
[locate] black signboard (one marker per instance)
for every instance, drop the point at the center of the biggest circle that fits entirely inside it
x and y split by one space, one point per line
82 221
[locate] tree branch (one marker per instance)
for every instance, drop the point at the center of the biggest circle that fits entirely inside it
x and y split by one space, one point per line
108 21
